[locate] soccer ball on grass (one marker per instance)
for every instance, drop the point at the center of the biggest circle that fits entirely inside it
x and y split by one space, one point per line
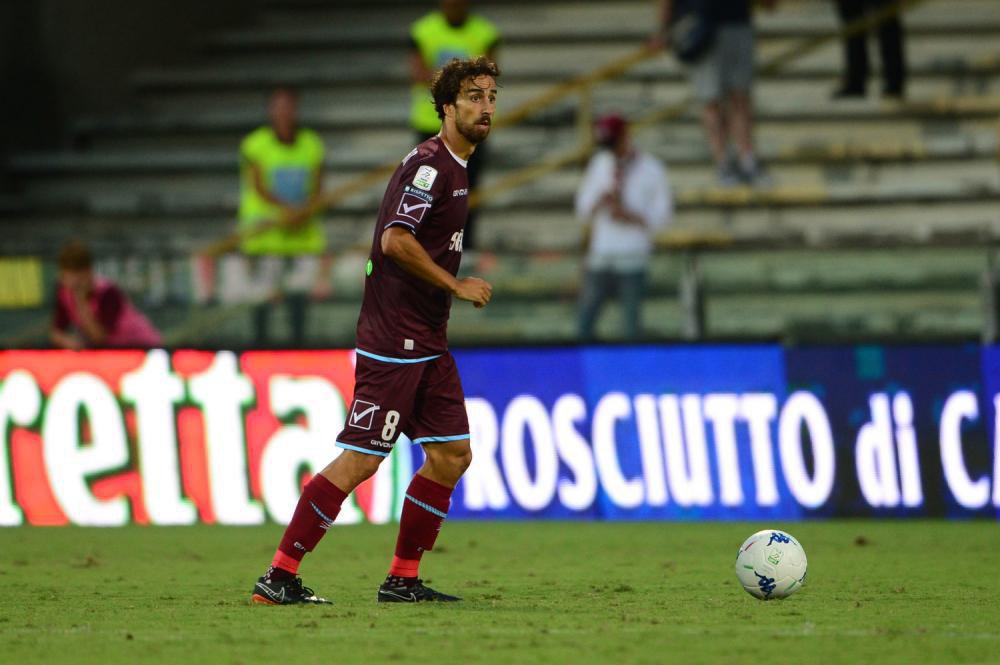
771 564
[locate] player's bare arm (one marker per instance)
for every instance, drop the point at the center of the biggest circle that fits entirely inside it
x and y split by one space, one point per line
399 245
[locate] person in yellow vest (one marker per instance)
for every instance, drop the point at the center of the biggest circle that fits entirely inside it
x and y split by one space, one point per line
281 171
450 32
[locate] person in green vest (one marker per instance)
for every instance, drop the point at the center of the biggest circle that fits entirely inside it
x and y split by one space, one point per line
281 174
450 32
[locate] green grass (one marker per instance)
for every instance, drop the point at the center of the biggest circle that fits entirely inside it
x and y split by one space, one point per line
904 592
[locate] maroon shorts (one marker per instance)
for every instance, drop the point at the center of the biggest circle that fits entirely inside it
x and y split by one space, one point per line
423 400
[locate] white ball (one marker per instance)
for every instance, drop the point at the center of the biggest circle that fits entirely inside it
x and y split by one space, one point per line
771 564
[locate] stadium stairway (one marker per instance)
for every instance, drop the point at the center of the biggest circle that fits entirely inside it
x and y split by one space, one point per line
880 222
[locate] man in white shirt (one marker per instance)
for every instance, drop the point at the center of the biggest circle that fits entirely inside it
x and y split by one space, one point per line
625 199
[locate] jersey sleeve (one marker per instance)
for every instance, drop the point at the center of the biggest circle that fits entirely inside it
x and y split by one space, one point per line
419 187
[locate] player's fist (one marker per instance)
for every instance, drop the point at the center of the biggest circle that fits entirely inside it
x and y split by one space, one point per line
475 290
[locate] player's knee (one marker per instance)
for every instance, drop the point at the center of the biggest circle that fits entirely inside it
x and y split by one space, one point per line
351 468
450 464
465 459
459 461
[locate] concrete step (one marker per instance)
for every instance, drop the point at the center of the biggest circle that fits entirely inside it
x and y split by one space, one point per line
677 140
796 186
837 162
189 224
590 21
521 66
636 93
343 119
944 315
508 151
802 318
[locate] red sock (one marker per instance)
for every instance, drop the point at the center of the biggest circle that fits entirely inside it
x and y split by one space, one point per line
424 510
318 507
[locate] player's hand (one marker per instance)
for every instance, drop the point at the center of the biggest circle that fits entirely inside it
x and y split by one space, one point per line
475 290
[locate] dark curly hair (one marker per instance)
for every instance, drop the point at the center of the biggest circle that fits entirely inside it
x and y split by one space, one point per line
74 255
447 83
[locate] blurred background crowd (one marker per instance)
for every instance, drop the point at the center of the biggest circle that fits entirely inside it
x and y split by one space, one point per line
207 173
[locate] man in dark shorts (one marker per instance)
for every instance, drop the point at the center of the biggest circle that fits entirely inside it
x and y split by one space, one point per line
406 381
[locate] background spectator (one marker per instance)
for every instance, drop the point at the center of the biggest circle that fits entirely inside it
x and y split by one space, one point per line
92 312
890 46
625 198
451 32
281 174
722 76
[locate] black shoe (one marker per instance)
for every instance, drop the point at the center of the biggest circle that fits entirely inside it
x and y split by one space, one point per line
410 590
276 589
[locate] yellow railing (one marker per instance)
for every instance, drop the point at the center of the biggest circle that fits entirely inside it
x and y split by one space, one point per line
672 111
583 86
580 84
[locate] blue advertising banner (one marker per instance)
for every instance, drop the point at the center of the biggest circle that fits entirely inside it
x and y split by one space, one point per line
906 422
730 432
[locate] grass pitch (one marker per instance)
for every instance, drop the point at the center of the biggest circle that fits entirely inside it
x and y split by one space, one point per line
903 592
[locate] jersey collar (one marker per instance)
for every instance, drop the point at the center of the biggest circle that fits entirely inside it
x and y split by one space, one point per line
463 162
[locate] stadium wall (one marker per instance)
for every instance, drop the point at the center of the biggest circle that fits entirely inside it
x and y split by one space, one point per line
60 59
612 433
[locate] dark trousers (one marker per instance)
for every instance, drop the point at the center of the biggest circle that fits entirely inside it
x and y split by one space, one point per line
298 304
598 287
474 169
890 44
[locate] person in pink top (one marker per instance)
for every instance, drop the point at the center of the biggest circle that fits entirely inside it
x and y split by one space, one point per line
93 312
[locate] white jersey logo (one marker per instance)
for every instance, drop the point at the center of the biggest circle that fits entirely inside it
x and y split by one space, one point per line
362 414
412 207
425 178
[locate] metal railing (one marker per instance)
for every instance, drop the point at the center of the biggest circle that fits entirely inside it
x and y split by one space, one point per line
164 284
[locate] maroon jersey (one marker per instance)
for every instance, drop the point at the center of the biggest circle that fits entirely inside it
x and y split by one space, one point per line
403 316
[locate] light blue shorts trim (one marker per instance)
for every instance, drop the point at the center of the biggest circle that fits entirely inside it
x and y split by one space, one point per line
401 361
431 509
347 446
440 439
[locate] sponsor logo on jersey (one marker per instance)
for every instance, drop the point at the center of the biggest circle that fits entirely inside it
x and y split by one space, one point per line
412 207
426 196
380 444
425 177
362 414
461 192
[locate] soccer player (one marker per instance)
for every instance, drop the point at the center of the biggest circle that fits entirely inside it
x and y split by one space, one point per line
406 380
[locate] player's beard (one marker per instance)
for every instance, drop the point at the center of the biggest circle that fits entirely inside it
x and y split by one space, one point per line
472 132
